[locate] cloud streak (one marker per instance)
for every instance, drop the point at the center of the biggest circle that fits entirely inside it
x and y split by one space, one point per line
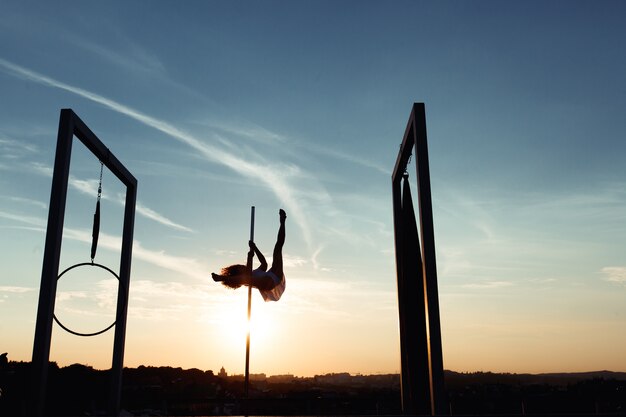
33 221
489 285
182 265
13 149
615 274
185 266
141 61
15 289
346 157
153 215
28 201
271 176
90 187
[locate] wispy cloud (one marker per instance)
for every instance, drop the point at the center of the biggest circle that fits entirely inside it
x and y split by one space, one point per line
64 296
344 156
172 301
129 56
149 289
90 187
13 149
136 60
33 221
153 215
294 261
103 296
10 143
314 258
271 175
42 169
185 266
488 285
247 131
332 298
28 201
15 289
615 274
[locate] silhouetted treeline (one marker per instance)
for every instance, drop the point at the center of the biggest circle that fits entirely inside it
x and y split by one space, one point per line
82 390
559 393
74 390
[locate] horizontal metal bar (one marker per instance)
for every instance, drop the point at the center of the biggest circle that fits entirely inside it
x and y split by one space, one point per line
91 141
408 143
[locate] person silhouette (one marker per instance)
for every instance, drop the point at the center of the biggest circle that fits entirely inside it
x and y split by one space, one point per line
270 283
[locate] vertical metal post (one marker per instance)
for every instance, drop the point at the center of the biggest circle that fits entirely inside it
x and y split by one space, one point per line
415 308
122 302
405 383
50 269
249 266
431 291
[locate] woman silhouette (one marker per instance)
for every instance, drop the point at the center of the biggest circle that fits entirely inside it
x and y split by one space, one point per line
271 284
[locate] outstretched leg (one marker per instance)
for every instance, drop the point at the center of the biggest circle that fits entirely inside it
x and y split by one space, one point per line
277 256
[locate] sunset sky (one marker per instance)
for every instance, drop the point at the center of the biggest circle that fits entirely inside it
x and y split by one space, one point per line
218 106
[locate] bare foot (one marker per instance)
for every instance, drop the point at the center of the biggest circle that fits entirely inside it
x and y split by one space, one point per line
282 215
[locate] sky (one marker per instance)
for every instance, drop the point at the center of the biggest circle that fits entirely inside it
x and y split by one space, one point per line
217 106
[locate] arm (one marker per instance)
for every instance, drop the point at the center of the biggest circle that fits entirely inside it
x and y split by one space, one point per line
259 255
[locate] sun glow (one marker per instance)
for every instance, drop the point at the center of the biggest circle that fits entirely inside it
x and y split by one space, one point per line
233 322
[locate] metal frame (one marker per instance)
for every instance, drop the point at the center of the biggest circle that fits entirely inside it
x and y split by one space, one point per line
422 377
71 125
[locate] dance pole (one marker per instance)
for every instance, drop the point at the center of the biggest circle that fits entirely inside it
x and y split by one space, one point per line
249 266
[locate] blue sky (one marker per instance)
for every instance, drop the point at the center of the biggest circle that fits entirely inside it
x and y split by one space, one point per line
217 106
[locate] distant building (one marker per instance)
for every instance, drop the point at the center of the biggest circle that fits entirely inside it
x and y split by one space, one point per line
222 373
277 379
258 377
253 377
334 378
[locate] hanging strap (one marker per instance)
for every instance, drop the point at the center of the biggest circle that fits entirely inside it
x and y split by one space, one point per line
96 219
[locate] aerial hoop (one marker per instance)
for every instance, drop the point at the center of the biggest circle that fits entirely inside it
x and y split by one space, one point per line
94 246
67 329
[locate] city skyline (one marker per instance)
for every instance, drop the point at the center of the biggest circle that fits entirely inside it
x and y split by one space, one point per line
218 106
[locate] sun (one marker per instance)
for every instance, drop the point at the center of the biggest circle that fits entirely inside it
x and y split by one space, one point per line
233 322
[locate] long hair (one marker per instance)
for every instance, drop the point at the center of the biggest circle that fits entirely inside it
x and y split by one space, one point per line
233 271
